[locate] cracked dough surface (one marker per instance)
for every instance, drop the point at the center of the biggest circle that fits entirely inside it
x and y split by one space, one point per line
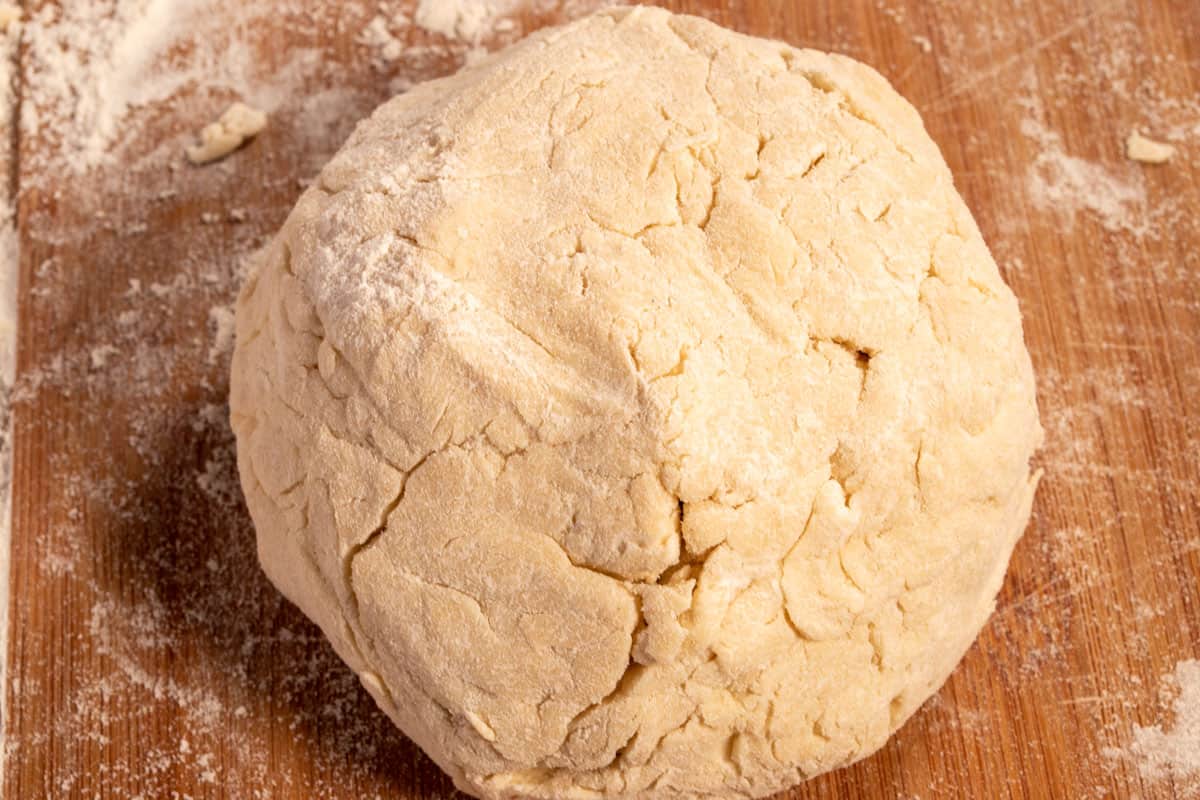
639 412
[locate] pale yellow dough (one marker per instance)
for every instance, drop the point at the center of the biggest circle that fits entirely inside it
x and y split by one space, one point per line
218 139
1147 150
639 412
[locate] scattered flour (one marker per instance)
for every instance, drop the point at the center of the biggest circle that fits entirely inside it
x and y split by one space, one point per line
378 34
476 21
1175 751
1170 752
1064 185
9 270
468 20
95 57
96 71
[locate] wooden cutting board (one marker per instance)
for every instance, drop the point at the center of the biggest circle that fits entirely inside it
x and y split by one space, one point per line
149 658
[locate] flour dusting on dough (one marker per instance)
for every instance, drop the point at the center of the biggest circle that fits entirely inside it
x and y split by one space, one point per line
685 379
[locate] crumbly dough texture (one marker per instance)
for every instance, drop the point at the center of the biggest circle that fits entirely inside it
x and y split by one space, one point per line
639 412
1147 150
218 139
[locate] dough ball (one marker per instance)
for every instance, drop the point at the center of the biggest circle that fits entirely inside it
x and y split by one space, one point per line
639 412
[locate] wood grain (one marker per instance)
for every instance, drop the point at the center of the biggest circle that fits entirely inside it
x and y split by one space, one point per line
149 658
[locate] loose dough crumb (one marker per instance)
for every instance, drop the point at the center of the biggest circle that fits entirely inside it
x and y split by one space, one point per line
1147 151
221 319
9 15
101 354
217 140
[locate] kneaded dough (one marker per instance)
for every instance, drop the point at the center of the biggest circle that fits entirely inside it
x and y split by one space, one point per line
639 412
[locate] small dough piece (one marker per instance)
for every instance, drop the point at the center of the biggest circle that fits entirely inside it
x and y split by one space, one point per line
639 411
10 16
1147 151
239 123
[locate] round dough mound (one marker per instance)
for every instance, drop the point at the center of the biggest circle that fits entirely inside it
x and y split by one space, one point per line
639 412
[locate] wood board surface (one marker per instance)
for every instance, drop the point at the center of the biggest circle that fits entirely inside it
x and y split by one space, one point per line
149 658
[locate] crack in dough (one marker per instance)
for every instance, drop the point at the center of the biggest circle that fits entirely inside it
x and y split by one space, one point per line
639 412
